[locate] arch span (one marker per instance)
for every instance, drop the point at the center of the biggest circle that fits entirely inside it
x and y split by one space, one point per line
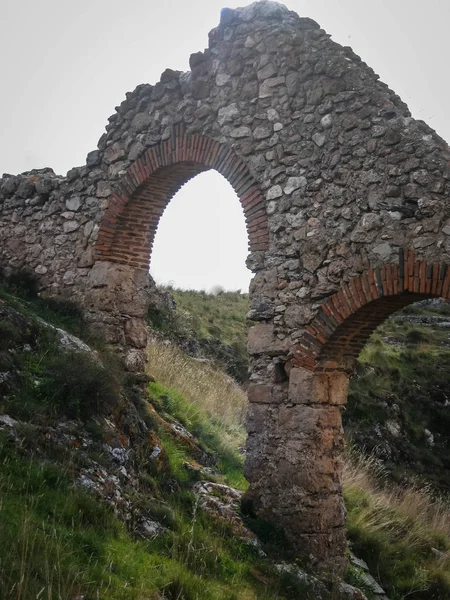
129 225
342 326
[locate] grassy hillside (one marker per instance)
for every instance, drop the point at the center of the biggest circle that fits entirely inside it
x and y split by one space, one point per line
98 475
211 326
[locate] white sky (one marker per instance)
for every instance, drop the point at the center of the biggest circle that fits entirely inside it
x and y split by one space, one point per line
65 64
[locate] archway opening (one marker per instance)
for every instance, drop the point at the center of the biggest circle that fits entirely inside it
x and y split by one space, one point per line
201 242
128 227
398 405
397 423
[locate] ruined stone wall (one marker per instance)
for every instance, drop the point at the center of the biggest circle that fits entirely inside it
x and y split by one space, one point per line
342 191
48 225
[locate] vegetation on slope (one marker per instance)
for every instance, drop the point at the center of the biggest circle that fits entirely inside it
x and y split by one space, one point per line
399 403
401 531
64 538
61 540
211 326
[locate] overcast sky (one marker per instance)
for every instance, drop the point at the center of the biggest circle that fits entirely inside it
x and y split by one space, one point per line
65 65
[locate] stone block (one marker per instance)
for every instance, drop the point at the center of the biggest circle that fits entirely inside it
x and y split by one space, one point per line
307 387
262 340
308 419
258 417
98 277
136 333
259 393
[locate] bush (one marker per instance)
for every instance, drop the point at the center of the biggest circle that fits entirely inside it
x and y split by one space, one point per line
76 386
23 284
414 336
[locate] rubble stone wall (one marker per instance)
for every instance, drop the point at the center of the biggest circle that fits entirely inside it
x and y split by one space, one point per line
346 203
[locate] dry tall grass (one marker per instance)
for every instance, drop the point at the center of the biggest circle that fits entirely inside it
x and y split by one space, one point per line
412 510
199 382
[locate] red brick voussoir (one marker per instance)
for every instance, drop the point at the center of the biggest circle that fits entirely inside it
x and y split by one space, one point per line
346 319
129 225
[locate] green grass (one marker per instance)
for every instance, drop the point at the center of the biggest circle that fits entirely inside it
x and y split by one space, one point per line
48 381
219 315
211 435
59 541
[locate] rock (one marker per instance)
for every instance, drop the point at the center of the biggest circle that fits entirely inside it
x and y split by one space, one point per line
135 151
274 192
372 585
6 420
103 189
155 452
358 562
135 361
151 529
267 88
228 113
26 188
73 204
295 183
348 592
326 121
313 583
267 71
240 132
222 79
70 226
222 503
319 139
261 338
262 132
94 158
383 250
136 333
140 122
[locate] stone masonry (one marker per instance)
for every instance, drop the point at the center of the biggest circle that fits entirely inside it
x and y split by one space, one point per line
345 198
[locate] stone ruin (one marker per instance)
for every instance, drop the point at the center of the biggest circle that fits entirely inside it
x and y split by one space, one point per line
345 199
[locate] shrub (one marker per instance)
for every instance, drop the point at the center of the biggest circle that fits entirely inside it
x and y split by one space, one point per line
22 283
76 386
8 334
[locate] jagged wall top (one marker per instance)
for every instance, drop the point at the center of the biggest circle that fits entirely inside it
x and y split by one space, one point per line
348 177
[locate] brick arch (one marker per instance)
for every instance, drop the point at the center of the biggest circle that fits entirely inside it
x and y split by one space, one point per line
341 328
129 225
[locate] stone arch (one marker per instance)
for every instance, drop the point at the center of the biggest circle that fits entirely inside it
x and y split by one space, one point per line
344 322
129 225
319 371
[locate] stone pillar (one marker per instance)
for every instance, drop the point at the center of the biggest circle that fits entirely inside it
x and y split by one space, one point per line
116 304
294 463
